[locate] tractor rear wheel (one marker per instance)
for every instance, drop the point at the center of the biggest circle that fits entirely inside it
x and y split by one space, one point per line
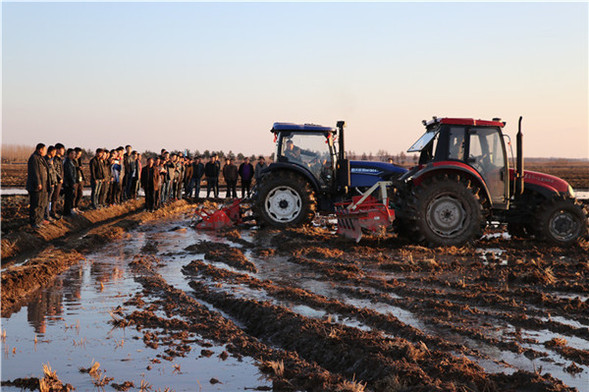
447 211
284 200
561 221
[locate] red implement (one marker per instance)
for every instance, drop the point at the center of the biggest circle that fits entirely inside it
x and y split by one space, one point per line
364 212
222 218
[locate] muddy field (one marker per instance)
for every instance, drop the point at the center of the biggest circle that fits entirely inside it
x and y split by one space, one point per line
130 300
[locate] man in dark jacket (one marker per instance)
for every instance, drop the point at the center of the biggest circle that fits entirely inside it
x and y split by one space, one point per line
37 185
188 170
150 184
198 170
230 175
212 174
96 178
70 179
246 172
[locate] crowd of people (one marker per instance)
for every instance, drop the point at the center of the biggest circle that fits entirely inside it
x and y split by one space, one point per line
55 179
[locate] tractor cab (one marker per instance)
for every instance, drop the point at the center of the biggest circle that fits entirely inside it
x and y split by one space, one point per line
310 148
473 147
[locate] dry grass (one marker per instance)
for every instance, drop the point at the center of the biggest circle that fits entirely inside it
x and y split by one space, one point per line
16 152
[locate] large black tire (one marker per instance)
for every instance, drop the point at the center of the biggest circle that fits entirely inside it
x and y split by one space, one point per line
444 211
284 199
561 221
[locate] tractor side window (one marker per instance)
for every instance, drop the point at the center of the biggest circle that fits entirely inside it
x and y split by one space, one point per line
456 143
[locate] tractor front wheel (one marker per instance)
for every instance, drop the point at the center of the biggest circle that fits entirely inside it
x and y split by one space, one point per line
562 221
284 199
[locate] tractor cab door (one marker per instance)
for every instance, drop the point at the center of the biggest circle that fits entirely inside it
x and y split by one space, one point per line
313 151
486 154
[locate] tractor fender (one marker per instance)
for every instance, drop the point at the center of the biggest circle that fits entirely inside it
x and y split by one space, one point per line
280 166
452 167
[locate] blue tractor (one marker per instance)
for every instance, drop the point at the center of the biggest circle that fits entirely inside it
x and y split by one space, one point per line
312 174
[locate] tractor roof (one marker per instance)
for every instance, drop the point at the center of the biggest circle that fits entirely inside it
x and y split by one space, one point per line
311 128
496 122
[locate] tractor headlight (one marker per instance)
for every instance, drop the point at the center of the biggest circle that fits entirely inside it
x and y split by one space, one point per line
571 192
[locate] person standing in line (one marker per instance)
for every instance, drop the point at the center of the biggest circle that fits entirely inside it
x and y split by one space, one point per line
166 179
79 188
188 170
56 199
127 164
37 180
70 178
261 165
230 175
51 179
198 170
121 191
96 178
218 164
161 174
131 175
246 172
116 170
171 169
179 177
107 178
149 182
135 189
212 174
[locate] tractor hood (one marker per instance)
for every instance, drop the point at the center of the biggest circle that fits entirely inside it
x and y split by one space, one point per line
549 183
368 173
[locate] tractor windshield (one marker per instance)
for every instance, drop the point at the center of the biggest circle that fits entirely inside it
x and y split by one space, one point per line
314 151
424 140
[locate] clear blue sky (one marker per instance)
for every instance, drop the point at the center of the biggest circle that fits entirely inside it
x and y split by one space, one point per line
217 75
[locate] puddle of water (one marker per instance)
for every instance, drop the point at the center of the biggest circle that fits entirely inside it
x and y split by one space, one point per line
492 253
70 322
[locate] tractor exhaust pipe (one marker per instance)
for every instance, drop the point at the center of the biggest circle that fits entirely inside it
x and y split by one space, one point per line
340 129
519 169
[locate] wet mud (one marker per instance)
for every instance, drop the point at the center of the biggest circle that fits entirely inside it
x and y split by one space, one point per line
311 311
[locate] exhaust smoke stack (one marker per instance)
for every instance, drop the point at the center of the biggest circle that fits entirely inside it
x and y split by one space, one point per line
519 168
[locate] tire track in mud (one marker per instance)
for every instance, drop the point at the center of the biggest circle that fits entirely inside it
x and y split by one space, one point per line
378 360
456 311
293 371
438 310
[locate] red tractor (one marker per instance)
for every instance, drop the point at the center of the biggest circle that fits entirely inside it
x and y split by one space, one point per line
463 181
